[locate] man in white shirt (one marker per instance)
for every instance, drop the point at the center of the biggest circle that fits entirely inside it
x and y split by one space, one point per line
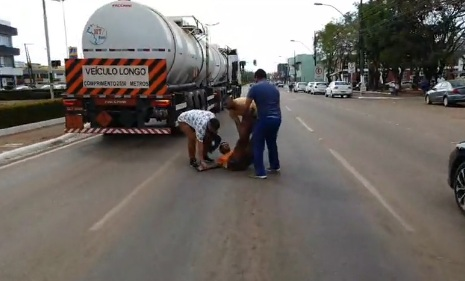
200 126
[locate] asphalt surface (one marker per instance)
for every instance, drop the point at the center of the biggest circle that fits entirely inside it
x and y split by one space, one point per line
362 196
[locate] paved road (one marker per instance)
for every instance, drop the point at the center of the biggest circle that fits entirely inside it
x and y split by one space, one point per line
362 196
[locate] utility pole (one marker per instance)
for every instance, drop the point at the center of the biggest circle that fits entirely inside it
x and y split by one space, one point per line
360 47
47 41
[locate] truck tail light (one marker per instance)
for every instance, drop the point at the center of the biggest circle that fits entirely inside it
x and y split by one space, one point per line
72 103
161 103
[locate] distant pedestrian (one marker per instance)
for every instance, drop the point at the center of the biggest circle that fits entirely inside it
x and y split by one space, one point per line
267 100
424 85
201 128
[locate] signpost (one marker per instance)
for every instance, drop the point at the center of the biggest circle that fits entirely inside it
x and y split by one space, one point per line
319 72
72 53
351 67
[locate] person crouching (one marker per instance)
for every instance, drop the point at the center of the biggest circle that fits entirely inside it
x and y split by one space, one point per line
201 128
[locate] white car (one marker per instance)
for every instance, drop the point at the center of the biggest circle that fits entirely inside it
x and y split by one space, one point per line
340 89
319 88
308 88
300 87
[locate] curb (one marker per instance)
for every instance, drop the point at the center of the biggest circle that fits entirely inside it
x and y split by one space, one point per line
35 148
31 126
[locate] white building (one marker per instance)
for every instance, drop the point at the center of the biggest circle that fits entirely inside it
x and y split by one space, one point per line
8 71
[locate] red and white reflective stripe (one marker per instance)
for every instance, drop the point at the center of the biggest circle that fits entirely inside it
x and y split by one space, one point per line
122 131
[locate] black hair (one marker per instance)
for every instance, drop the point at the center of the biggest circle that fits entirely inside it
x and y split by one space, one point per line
260 74
214 124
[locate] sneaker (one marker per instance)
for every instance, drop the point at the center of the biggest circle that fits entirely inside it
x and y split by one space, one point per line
257 177
273 171
193 163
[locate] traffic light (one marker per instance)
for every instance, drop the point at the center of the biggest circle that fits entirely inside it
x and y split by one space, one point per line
255 62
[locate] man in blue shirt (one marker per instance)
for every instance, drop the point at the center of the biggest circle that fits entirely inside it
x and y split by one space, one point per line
267 100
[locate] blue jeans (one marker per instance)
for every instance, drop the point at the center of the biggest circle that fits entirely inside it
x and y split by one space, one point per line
265 131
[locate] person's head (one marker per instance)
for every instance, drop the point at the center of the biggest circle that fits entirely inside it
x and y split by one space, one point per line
260 74
224 148
229 103
213 126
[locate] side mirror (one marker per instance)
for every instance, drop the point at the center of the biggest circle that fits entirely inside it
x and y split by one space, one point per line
434 89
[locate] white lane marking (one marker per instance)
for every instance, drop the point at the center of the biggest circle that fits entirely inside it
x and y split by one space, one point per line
304 124
47 152
115 210
379 98
288 108
371 189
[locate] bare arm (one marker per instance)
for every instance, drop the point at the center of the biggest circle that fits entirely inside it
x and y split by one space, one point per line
234 116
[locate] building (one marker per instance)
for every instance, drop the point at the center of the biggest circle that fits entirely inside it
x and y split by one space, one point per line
8 71
304 70
282 72
40 74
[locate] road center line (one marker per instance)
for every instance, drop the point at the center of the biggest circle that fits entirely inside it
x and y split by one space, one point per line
304 124
371 189
288 108
115 210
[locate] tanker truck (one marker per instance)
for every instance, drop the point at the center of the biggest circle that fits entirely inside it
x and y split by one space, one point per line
140 70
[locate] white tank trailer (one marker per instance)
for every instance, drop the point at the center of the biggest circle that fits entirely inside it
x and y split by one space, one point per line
132 29
108 89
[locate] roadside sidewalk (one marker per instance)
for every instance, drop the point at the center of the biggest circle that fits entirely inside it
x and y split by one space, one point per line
387 94
22 139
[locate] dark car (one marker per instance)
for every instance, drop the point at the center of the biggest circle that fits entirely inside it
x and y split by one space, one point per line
447 92
456 175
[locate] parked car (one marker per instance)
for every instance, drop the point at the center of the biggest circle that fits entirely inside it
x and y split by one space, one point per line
319 88
309 87
23 87
280 85
447 92
300 87
339 88
456 175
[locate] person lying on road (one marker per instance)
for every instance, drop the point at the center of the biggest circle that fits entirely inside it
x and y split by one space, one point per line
199 125
238 159
237 107
241 157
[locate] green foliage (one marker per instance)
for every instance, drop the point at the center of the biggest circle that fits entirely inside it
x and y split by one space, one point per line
16 114
423 35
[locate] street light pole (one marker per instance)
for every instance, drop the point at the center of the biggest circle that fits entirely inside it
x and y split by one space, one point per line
360 49
64 25
328 5
47 42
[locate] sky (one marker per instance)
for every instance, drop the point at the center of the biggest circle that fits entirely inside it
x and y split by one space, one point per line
259 29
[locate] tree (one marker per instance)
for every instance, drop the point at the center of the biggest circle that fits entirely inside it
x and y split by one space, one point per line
335 44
